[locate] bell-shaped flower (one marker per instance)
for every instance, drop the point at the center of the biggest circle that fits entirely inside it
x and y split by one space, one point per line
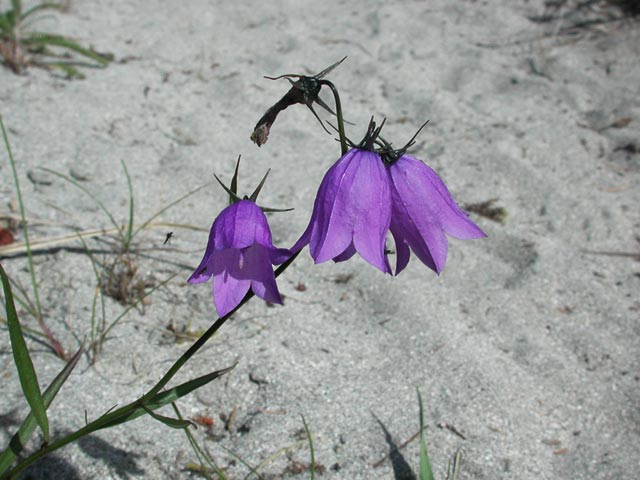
423 211
239 257
352 211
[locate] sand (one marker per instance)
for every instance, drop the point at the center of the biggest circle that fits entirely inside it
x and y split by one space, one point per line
526 348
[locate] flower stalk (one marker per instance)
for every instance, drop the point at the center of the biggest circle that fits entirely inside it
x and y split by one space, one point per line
130 411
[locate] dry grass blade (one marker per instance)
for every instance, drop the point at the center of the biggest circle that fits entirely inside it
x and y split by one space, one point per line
52 242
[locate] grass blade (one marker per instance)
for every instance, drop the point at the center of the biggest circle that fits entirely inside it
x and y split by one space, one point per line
252 470
66 68
129 234
50 242
200 454
425 465
50 39
6 25
167 207
453 469
98 293
16 6
171 395
312 465
93 197
105 332
177 423
22 359
25 431
25 231
41 6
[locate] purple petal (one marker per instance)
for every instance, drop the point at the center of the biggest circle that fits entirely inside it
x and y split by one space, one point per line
230 284
423 210
240 225
258 268
373 214
416 176
352 205
331 231
305 237
402 249
205 269
425 236
279 255
347 254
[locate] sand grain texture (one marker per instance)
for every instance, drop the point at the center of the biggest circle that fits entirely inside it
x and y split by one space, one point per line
527 344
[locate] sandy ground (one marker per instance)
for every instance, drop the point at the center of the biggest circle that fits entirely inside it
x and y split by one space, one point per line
527 345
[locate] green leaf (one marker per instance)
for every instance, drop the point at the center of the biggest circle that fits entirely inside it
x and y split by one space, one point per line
16 6
200 454
69 70
43 39
425 465
164 398
177 423
22 359
453 469
129 234
312 465
27 428
41 6
7 25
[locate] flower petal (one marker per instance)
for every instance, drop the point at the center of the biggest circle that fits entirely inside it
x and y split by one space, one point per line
402 249
240 225
305 237
420 177
205 269
373 214
423 210
332 228
258 269
347 254
352 207
420 232
230 283
279 255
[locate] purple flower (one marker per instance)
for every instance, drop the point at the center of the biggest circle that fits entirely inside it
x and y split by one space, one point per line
239 256
423 210
351 212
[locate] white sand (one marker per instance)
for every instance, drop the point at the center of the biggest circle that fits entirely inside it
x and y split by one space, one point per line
527 344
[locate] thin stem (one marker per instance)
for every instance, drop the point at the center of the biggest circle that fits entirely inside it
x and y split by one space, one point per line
57 347
129 235
108 419
336 97
205 337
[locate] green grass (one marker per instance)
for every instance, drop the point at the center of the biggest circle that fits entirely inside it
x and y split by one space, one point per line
55 345
21 47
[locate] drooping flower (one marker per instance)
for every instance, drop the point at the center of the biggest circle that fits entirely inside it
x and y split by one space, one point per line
423 211
371 191
305 90
352 211
239 256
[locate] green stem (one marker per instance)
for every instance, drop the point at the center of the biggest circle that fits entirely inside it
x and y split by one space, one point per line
206 336
23 216
121 413
336 97
57 347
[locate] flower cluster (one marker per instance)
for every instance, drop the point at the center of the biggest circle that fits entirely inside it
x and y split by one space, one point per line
371 191
368 193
